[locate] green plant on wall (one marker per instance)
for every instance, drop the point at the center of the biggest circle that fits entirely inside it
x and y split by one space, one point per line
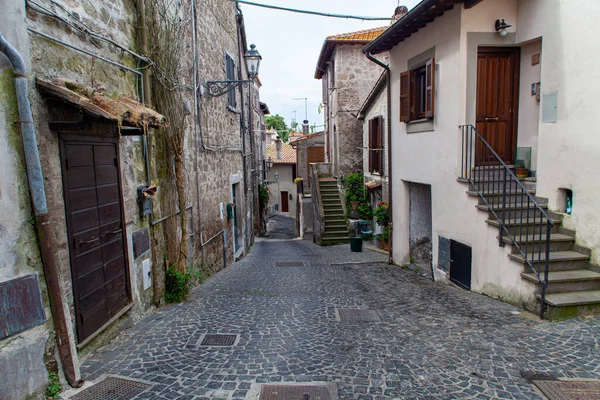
176 285
54 386
355 187
263 196
382 214
365 211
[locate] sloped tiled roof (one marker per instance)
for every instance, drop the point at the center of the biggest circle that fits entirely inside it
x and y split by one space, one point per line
288 154
306 137
362 36
358 37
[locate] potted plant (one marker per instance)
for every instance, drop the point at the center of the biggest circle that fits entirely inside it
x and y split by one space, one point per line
353 201
382 217
520 170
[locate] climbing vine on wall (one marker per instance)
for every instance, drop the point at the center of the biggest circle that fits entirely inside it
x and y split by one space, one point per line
165 26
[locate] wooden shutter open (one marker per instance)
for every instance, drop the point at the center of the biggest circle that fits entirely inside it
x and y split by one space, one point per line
370 144
405 96
429 87
379 141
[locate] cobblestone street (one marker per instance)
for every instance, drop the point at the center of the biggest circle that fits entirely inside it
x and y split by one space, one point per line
433 341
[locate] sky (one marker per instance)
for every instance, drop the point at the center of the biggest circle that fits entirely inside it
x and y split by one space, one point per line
290 45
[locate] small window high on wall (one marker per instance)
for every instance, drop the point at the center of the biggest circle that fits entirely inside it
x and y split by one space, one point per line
417 92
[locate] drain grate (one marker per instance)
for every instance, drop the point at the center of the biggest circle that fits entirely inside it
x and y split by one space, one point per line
356 315
112 388
288 264
570 390
218 340
294 392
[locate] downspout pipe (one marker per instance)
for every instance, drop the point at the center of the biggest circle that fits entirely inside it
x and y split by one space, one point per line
35 179
389 151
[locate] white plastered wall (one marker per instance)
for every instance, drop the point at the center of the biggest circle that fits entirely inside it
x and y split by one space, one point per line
433 157
569 150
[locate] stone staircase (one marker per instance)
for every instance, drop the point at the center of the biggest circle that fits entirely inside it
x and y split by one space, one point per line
336 225
573 282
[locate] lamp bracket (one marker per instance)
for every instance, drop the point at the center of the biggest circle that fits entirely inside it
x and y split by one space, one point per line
219 88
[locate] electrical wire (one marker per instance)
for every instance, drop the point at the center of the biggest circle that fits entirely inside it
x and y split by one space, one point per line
322 14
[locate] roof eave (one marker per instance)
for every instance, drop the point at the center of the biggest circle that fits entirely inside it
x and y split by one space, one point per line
389 39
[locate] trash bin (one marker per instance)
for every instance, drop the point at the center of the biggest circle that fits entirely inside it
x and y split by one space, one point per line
356 244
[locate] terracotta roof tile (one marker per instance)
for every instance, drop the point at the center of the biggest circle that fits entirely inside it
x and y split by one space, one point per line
288 154
361 36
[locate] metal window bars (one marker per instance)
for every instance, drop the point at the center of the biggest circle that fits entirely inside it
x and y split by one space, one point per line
520 217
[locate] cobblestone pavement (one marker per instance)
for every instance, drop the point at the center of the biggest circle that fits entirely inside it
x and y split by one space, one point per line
434 341
284 227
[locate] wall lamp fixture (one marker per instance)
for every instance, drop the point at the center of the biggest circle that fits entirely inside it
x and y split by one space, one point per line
219 88
501 27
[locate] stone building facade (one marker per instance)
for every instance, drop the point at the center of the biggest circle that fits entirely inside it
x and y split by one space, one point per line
98 46
348 76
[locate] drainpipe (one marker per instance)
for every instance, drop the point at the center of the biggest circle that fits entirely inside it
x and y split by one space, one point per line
40 207
389 150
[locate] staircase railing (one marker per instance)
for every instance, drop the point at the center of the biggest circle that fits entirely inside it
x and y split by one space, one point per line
500 189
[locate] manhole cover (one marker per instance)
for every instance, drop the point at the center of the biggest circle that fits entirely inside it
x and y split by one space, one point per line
218 340
289 264
570 390
294 392
355 315
112 388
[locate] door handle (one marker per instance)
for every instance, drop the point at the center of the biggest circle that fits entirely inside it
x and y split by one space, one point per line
80 242
114 232
491 119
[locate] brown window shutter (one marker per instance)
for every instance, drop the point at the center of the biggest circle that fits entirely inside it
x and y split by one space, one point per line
380 144
370 148
430 87
405 96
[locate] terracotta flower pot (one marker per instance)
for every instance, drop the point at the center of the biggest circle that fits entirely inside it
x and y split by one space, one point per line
521 172
354 204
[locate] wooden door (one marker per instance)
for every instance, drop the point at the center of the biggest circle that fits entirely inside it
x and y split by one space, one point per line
94 210
497 102
284 202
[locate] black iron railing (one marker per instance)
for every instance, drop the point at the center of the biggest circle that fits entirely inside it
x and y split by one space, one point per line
521 218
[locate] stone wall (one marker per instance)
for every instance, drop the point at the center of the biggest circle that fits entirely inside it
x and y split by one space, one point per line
355 76
214 155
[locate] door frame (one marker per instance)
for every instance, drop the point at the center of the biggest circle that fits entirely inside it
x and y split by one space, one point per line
83 138
516 86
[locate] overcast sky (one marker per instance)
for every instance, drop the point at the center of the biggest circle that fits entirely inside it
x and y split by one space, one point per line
290 45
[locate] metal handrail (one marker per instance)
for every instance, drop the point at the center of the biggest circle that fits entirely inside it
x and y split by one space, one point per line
472 152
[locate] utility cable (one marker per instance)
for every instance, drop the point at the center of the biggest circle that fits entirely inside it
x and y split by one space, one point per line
322 14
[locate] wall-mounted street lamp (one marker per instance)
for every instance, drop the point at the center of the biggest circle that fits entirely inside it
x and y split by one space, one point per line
269 163
502 27
219 88
276 176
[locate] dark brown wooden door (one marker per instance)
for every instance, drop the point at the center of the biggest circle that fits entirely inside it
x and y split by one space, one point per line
497 101
285 206
94 209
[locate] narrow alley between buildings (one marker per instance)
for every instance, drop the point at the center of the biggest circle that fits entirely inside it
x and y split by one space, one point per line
284 302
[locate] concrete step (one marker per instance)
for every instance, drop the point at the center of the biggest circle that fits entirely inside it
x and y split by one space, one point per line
567 281
335 227
522 225
571 304
329 200
533 243
511 206
558 261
